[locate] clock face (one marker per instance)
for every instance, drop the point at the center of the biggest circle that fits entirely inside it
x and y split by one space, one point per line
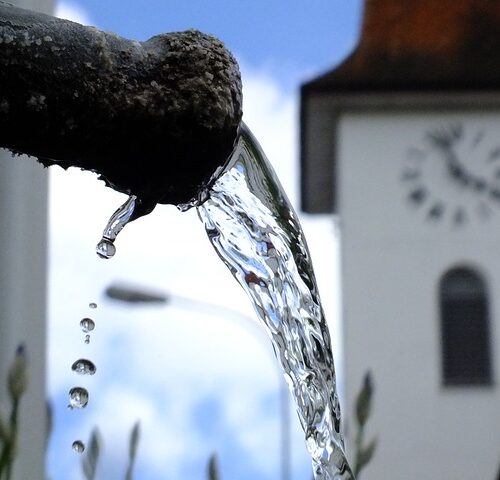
452 173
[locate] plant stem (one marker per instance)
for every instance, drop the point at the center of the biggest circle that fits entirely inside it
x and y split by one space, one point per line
8 451
359 446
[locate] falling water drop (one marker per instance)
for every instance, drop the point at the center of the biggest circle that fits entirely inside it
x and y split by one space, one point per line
87 339
87 325
78 446
105 248
83 367
78 397
93 305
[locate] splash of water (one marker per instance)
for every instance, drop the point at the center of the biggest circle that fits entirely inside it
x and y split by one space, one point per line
257 234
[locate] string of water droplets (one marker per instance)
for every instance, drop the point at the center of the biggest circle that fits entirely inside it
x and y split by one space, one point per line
79 396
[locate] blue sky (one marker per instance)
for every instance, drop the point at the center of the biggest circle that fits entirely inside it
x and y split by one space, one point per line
198 382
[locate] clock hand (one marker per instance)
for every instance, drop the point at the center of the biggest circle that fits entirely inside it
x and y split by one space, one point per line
455 169
458 172
444 141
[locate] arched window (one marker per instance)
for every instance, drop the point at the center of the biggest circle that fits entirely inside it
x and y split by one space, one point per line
464 328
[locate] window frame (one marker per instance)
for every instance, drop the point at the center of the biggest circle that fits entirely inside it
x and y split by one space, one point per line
463 292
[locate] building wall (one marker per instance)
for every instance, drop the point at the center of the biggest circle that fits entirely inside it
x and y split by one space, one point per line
392 259
23 272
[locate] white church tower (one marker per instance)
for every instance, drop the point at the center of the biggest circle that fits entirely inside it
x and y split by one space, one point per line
402 142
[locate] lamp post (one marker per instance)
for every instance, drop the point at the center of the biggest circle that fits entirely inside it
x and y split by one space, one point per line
133 295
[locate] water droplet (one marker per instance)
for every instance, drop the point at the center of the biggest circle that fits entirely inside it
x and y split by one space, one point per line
87 325
78 446
83 367
92 305
78 397
105 248
87 339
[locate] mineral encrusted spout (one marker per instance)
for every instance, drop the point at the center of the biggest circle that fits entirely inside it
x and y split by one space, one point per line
155 119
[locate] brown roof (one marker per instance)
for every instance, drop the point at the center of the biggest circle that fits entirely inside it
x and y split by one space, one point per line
422 45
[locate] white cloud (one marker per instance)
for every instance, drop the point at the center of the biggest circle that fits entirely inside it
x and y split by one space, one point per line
157 363
72 11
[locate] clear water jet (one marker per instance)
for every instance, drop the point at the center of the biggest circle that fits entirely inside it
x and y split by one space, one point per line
257 234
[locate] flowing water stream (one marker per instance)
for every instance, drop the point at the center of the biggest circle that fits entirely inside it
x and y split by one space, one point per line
257 234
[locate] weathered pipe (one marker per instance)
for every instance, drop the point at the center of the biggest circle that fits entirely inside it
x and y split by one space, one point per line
153 118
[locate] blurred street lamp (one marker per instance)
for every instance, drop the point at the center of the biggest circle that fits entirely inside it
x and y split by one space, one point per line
142 296
132 295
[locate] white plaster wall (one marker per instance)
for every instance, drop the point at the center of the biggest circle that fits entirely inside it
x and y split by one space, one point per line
392 258
23 272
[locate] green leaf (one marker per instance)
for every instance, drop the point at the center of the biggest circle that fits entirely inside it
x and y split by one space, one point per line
91 457
17 380
133 445
213 469
134 440
364 400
